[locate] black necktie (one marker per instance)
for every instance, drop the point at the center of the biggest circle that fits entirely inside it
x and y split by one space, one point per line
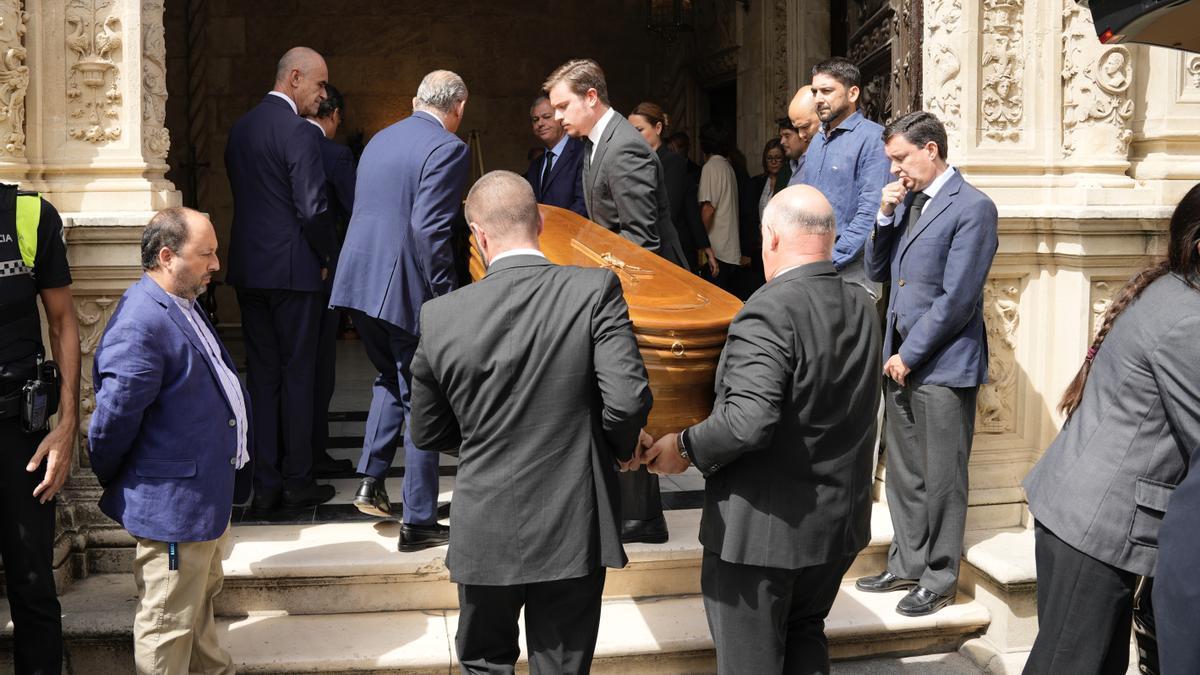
546 171
914 211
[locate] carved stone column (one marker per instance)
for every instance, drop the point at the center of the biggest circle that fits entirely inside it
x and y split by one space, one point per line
1166 148
14 88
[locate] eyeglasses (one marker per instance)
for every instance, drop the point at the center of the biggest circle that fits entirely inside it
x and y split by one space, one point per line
774 159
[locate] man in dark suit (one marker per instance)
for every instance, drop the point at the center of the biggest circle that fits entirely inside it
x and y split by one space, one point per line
786 453
281 249
399 254
498 380
934 240
626 192
556 176
170 430
340 176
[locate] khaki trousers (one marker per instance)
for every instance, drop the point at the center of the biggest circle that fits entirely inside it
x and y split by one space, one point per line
173 630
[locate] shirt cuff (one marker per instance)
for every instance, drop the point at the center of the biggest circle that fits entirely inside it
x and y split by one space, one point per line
884 221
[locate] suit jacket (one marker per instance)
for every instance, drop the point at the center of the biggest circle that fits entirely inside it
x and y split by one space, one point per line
163 437
626 190
685 208
341 173
565 187
281 235
1103 484
937 272
787 451
399 250
532 376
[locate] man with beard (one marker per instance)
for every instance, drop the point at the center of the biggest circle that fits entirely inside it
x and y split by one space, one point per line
556 176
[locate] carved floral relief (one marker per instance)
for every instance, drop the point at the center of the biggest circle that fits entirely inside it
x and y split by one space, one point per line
94 313
1002 102
943 21
1097 107
156 140
93 95
14 78
995 409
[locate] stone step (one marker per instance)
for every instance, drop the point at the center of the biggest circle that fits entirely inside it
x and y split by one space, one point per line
637 635
354 567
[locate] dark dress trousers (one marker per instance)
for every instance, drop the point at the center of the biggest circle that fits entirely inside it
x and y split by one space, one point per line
564 188
340 176
533 378
399 253
786 456
1100 491
281 238
937 267
685 208
626 192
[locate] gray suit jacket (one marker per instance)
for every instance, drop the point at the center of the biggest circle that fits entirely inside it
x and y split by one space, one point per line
1104 483
533 377
787 450
626 190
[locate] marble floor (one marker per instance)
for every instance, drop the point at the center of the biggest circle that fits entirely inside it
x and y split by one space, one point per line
347 420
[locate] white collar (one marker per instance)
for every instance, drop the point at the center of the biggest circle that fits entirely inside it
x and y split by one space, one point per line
785 271
598 130
290 102
315 124
515 252
939 182
436 118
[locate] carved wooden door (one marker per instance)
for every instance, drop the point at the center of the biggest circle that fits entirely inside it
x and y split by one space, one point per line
883 37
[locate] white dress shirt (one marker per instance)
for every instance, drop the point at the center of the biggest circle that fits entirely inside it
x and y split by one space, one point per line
516 251
290 102
598 131
934 187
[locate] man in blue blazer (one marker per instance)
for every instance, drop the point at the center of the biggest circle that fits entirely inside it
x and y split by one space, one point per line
934 239
398 254
170 429
556 176
281 249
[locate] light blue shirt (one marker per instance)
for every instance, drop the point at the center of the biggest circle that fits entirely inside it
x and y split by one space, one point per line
557 151
228 379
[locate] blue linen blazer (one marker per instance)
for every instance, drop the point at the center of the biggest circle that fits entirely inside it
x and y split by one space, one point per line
565 187
281 234
399 249
163 437
937 272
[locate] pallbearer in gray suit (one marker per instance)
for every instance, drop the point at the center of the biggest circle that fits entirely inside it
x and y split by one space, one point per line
934 240
786 453
532 376
626 191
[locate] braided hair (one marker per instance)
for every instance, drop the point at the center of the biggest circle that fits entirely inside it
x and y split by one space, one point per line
1183 259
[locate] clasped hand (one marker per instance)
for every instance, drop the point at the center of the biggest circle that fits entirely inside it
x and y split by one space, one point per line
660 457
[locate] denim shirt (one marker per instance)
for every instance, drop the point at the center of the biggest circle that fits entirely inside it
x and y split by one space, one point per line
849 167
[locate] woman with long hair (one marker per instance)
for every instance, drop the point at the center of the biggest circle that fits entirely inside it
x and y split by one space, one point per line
1099 493
773 179
650 120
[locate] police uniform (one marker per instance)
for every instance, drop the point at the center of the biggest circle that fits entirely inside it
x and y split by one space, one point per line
33 257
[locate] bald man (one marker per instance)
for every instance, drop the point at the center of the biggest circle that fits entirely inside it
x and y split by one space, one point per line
802 114
282 243
497 380
786 453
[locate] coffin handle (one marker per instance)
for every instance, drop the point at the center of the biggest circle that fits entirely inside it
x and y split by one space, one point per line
677 349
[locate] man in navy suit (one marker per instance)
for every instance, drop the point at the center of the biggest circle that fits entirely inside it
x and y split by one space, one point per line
170 429
556 176
340 175
398 254
934 239
281 249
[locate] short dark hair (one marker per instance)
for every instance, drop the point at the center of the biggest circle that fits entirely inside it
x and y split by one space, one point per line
840 69
333 101
713 140
785 123
167 228
919 128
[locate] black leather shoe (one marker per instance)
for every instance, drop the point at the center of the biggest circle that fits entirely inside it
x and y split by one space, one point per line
921 601
309 495
324 465
420 537
652 531
372 498
265 502
883 582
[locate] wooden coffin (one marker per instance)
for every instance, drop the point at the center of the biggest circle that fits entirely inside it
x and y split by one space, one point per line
680 319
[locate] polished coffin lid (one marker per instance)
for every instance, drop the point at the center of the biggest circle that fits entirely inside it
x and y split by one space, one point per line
680 320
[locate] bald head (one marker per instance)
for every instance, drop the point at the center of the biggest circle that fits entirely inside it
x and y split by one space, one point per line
301 75
444 94
803 113
798 227
503 213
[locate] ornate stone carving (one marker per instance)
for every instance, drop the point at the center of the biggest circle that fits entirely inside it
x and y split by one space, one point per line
14 78
944 98
781 95
1192 65
93 94
94 313
156 140
995 408
1002 104
1097 107
1102 293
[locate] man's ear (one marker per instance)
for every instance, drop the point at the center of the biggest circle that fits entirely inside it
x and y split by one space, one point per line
853 94
541 223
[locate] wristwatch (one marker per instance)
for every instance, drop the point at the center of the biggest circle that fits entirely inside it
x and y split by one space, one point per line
681 446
